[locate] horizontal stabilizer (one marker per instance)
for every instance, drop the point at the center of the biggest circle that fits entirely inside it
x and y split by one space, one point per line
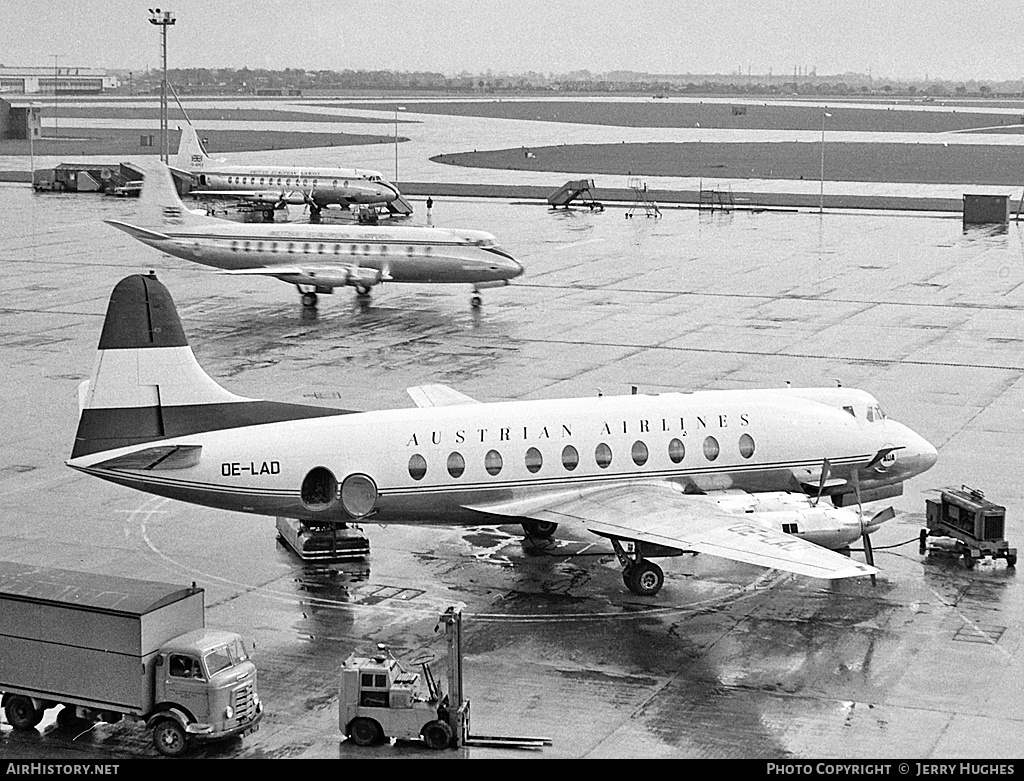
142 234
161 457
438 396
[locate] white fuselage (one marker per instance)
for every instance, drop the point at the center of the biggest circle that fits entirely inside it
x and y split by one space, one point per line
404 254
322 185
436 464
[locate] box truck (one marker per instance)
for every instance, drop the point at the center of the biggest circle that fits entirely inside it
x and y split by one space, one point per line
106 648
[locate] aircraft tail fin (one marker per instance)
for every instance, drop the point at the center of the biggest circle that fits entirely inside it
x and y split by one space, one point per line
192 154
160 207
144 374
147 385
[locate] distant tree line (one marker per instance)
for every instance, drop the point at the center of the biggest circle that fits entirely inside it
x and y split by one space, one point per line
298 81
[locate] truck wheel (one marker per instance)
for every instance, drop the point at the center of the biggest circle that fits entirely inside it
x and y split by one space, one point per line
437 734
1011 559
365 732
21 713
968 559
169 738
67 719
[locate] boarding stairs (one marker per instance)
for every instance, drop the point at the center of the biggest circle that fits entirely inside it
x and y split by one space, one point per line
641 201
720 199
576 189
400 206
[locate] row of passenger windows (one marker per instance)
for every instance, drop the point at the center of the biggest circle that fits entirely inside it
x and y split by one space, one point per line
534 460
322 249
270 181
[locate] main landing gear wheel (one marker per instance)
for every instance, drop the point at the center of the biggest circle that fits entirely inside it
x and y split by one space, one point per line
476 301
539 529
437 734
309 300
362 291
643 578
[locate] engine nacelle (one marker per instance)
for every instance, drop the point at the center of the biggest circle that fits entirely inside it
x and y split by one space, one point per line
366 277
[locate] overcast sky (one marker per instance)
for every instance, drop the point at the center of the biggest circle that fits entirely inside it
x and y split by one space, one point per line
910 39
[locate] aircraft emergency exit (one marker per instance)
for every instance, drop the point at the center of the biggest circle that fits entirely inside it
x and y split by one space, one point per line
318 258
749 475
279 185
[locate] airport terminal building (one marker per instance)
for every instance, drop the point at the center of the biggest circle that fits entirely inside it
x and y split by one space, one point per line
65 81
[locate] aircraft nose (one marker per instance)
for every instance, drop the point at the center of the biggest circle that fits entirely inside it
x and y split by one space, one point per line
919 454
387 192
515 268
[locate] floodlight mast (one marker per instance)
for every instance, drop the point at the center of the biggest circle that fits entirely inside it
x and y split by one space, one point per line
164 19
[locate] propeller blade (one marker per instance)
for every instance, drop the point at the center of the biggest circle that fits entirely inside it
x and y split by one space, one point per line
826 471
879 518
865 535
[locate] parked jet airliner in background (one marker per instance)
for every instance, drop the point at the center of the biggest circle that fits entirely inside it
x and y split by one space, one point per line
318 258
749 475
278 185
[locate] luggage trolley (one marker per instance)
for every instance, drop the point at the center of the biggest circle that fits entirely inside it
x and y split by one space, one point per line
968 525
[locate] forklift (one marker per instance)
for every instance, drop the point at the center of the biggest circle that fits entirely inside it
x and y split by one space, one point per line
966 524
379 699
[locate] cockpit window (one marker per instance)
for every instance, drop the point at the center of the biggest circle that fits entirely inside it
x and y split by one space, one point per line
875 414
850 410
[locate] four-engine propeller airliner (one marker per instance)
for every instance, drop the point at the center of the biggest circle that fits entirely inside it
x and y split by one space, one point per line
278 185
318 258
756 476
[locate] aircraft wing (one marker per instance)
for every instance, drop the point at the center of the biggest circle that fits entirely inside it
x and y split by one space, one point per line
438 396
660 513
295 197
265 271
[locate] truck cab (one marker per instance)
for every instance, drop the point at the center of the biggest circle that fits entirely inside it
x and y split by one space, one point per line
204 685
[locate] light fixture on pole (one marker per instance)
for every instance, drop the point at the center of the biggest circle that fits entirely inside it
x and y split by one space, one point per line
164 19
821 191
397 109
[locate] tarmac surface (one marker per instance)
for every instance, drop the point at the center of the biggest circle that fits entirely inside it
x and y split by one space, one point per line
727 660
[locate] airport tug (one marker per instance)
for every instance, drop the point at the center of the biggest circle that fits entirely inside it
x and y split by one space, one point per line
966 524
378 700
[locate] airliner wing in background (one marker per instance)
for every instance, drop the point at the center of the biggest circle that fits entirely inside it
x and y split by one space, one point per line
328 276
296 197
438 396
660 513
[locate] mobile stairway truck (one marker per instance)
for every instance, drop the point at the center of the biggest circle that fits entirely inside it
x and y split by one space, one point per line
106 648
